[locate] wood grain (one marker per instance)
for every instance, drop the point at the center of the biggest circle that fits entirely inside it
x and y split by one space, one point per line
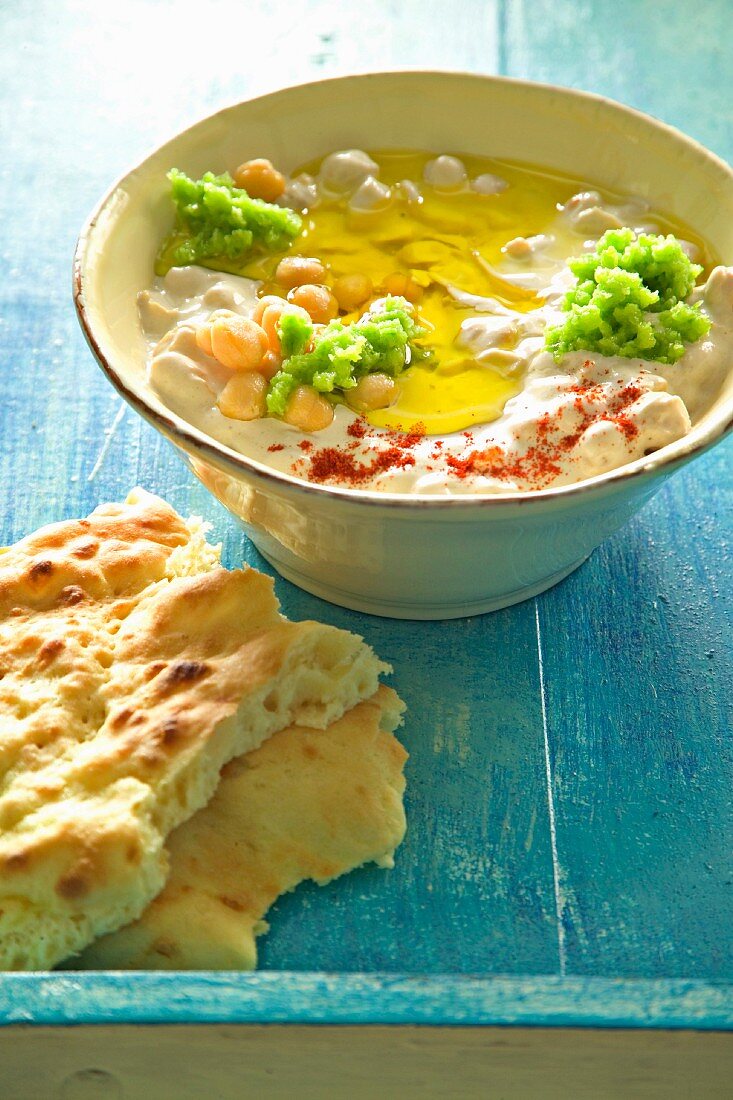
573 819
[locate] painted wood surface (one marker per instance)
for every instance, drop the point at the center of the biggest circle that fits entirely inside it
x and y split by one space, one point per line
570 777
292 1063
276 997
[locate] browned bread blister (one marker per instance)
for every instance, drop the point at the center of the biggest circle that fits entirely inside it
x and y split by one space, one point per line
307 804
132 668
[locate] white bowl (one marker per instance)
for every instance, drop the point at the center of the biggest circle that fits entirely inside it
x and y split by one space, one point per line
389 554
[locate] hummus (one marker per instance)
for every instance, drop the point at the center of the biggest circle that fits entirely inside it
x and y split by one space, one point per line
563 421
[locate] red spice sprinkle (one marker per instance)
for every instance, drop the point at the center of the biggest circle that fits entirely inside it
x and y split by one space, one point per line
541 462
306 445
357 429
276 447
330 462
538 466
627 426
335 464
409 439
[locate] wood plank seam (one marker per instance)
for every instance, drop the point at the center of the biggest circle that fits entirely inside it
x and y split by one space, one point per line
561 947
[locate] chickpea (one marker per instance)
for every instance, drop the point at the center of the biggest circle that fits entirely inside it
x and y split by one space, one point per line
373 391
203 339
243 397
238 343
270 365
402 286
263 303
296 270
318 301
271 319
260 179
351 291
308 410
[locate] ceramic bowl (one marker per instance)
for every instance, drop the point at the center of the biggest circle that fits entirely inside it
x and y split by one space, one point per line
404 556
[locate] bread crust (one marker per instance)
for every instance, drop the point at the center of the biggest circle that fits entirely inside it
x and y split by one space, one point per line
133 667
308 804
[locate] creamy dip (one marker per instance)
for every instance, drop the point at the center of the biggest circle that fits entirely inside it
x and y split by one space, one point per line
568 421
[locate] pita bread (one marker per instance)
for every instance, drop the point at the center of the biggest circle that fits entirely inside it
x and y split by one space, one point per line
308 804
132 668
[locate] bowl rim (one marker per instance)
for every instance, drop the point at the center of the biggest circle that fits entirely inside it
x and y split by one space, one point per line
662 462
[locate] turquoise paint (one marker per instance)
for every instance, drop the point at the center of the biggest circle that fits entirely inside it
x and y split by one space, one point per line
282 997
641 767
614 908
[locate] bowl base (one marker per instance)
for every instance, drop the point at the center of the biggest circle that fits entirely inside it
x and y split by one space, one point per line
406 609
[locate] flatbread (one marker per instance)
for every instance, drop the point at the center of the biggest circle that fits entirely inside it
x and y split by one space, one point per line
308 804
132 668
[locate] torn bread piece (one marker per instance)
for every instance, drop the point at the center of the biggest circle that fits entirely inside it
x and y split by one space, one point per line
308 804
132 668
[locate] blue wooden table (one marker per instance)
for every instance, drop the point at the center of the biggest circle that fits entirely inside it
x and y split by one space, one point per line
569 786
